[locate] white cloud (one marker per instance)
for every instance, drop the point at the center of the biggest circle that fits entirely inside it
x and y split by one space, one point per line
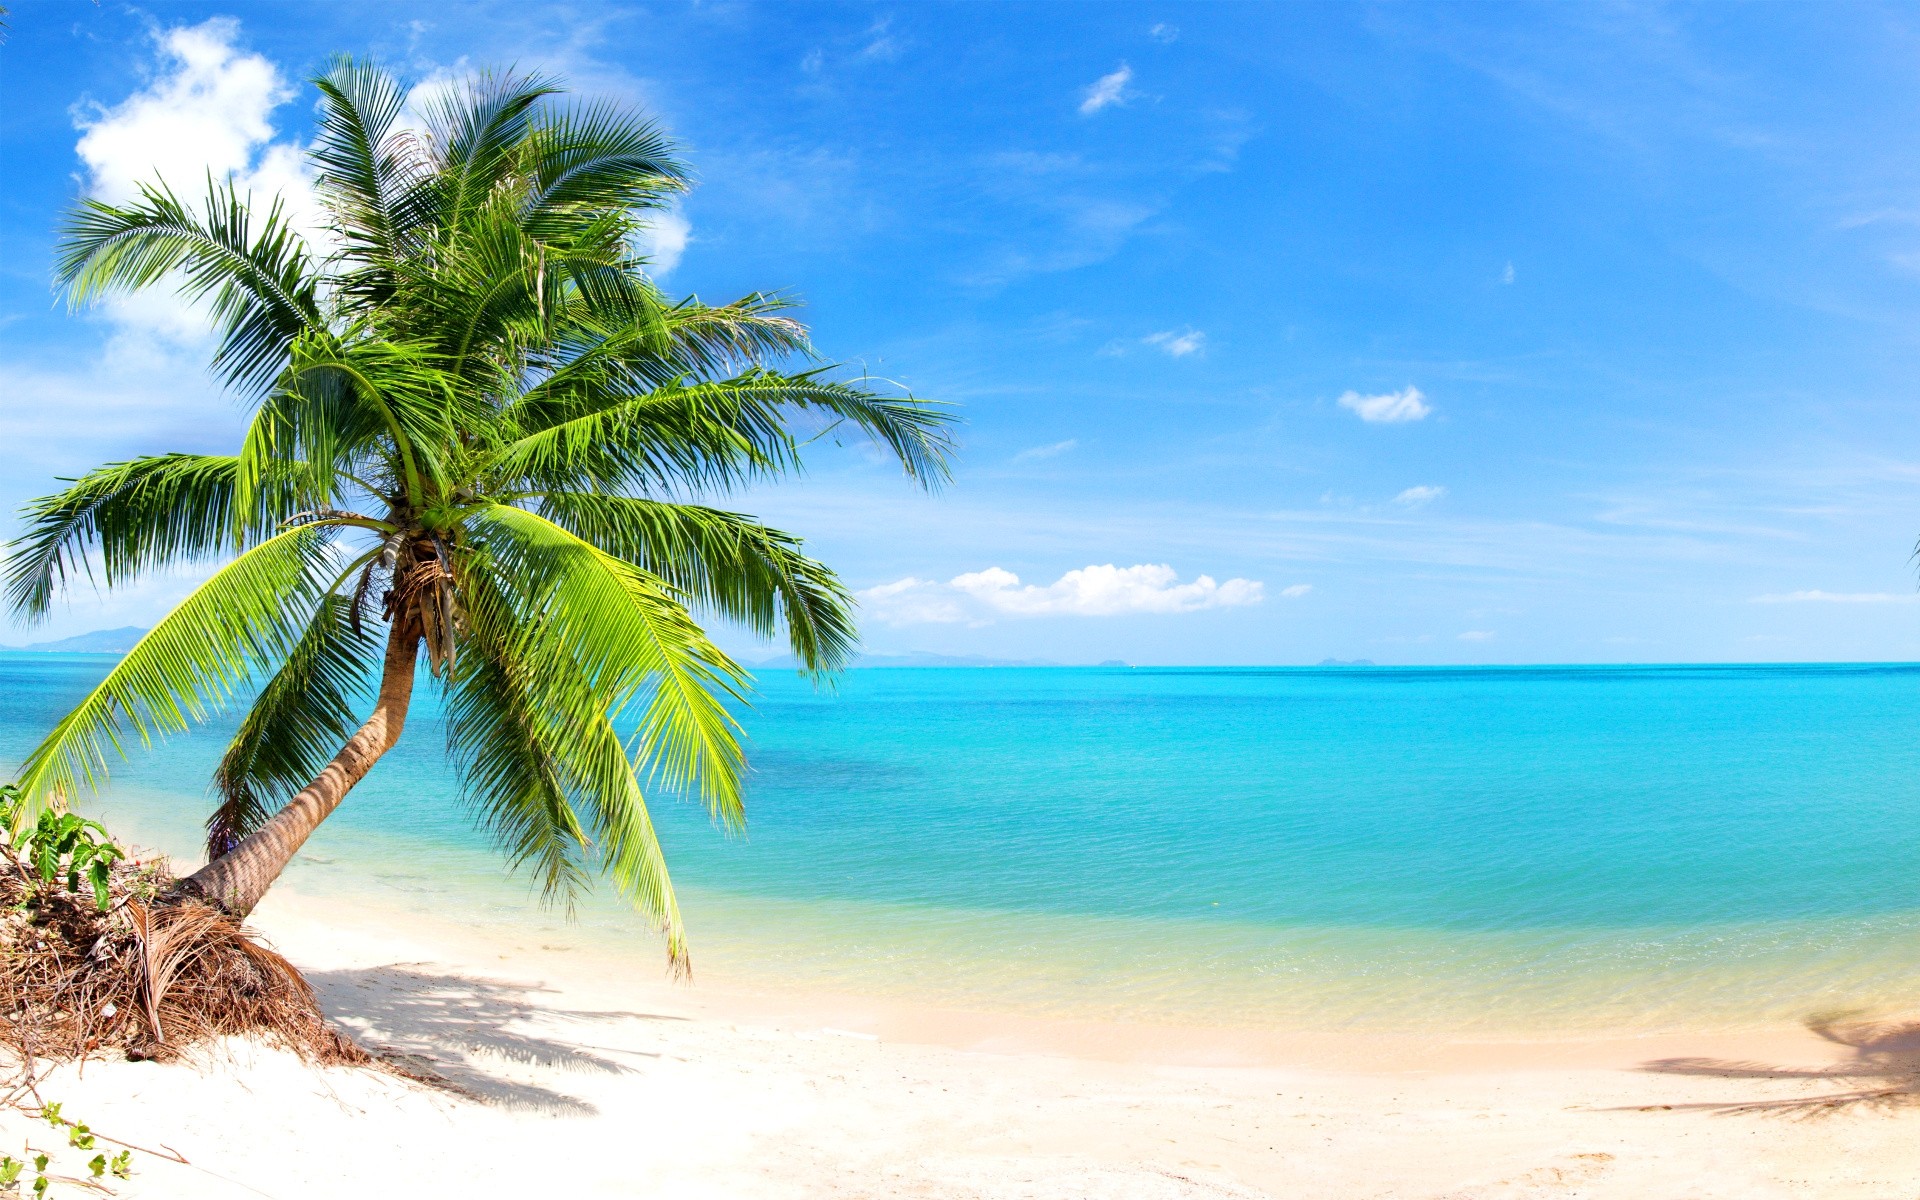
1053 451
1388 409
207 108
1477 635
1296 591
663 240
1819 597
1506 276
1177 345
1164 33
1107 90
1414 497
913 601
1093 591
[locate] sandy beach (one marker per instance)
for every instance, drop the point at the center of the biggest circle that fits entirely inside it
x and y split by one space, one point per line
568 1075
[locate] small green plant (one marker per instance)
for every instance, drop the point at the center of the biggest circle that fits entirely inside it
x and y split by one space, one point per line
80 1137
77 846
63 843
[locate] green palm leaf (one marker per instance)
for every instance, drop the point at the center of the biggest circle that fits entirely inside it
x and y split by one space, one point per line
146 512
189 665
725 562
296 723
631 640
259 288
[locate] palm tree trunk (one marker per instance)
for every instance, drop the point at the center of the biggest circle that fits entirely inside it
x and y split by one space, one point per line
239 879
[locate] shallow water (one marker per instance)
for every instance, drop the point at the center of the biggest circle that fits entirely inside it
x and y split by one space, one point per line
1511 848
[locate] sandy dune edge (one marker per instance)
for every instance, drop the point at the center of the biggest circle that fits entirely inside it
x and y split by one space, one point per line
593 1078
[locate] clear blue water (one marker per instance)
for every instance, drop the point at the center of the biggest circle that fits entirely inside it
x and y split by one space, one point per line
1397 847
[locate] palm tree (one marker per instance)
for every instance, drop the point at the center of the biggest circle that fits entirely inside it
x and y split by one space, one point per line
478 425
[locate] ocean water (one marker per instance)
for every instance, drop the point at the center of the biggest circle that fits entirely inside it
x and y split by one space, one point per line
1395 848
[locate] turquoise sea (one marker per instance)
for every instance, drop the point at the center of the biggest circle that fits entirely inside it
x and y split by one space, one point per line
1393 848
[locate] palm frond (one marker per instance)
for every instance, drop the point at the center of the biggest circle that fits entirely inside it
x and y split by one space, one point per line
248 616
297 723
537 750
143 513
500 740
725 562
716 435
260 289
369 173
596 157
630 639
476 130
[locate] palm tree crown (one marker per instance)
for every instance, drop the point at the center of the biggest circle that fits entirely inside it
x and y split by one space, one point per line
478 424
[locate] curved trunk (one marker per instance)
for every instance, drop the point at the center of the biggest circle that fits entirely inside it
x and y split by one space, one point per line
239 879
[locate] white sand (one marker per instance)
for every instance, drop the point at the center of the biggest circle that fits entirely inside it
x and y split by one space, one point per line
589 1083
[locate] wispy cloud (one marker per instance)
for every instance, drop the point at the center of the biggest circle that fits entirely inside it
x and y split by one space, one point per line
1414 497
1053 451
1819 597
1296 591
881 44
1093 591
1177 345
1164 33
1391 408
1106 91
1507 276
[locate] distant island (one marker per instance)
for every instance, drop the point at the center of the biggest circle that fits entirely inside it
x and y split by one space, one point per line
100 641
913 659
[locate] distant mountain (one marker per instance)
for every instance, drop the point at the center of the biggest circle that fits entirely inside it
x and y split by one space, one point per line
100 641
787 662
1346 662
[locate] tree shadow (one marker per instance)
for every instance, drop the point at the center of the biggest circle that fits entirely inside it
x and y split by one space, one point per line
455 1032
1881 1075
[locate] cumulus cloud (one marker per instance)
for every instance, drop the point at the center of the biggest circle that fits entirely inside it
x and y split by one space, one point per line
1177 345
1107 90
663 241
1477 635
977 597
1414 497
1392 408
1053 451
207 108
1296 591
1819 597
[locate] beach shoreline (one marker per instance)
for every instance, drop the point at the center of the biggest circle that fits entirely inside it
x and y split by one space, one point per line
568 1073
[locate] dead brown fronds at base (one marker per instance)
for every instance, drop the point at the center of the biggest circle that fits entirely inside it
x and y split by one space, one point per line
152 976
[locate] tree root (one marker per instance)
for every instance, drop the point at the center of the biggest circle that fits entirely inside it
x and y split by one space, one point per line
155 976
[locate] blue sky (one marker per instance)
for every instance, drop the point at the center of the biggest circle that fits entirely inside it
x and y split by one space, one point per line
1485 333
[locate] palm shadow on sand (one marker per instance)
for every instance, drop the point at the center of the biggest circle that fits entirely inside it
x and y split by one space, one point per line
1881 1074
456 1033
